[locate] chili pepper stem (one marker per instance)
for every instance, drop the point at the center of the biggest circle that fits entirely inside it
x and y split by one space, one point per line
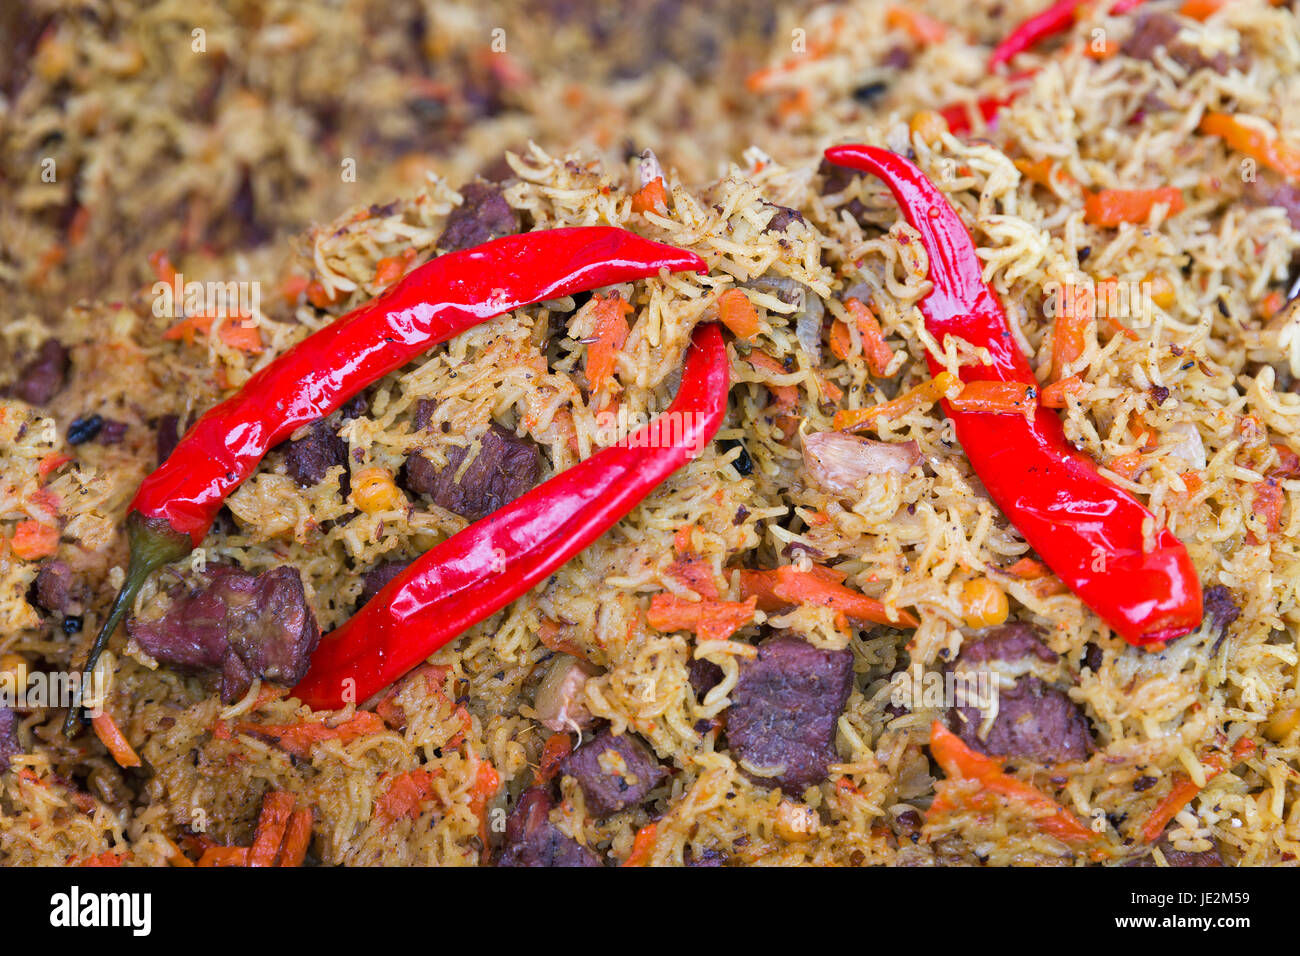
153 544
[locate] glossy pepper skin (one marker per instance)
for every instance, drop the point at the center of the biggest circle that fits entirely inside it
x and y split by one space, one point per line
1057 18
480 570
176 504
1088 531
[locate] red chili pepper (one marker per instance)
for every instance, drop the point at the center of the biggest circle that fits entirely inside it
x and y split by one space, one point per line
480 570
176 505
1057 18
1089 532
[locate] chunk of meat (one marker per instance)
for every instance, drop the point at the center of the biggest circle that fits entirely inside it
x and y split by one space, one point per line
784 710
241 624
43 377
703 676
782 218
504 468
423 417
1008 642
308 459
1285 196
484 214
378 577
1221 609
1180 858
111 432
614 772
54 586
1153 30
1035 720
9 745
533 840
839 463
560 702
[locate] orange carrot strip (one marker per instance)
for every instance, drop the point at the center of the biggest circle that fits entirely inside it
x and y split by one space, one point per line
927 393
1110 207
277 807
786 585
51 463
738 313
406 795
298 739
643 845
1202 9
391 268
783 396
1272 151
224 856
709 620
111 736
997 398
486 783
297 837
1053 396
696 573
958 760
1069 332
874 347
610 333
921 28
556 748
652 197
33 539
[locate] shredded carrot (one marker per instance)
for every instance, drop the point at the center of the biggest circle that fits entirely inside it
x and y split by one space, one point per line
51 463
874 347
710 620
682 538
610 333
643 845
297 837
406 794
177 856
298 739
550 633
277 807
1129 466
224 856
652 197
1069 335
819 587
1272 151
1202 9
235 332
1266 504
1270 305
927 393
1184 789
989 397
1028 569
33 539
486 783
319 296
162 266
106 859
830 391
111 736
1110 207
1053 396
696 573
1288 463
958 760
391 268
783 396
738 313
921 28
292 287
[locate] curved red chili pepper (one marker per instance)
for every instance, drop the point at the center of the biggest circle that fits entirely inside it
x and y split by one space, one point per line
1057 18
480 570
1089 532
176 505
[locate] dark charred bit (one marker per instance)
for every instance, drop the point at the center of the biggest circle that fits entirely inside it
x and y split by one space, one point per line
484 214
1222 611
782 218
783 712
54 586
44 376
531 839
168 436
423 417
614 772
238 624
505 467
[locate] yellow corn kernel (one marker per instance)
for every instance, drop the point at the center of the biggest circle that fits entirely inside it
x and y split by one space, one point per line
983 603
1161 290
928 125
373 490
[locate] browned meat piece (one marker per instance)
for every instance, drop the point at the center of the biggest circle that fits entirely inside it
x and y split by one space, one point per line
614 772
377 578
309 458
423 417
533 840
1284 195
1035 720
241 624
111 432
483 215
704 676
43 377
9 745
504 468
706 857
1180 857
1008 642
784 710
1153 30
782 218
54 586
1221 609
